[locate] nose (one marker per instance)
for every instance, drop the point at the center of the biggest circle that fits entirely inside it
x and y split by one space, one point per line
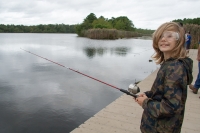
162 38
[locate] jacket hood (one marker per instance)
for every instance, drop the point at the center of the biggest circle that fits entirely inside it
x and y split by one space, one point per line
188 64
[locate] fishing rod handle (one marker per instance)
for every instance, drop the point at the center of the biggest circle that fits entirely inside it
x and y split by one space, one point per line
128 93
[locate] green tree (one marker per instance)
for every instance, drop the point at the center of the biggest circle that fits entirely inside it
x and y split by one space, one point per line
188 21
87 24
122 23
80 28
90 18
101 23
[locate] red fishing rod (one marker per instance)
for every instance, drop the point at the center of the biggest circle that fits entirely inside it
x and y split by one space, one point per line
132 90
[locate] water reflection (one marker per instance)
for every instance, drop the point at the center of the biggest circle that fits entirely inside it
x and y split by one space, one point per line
121 51
93 51
39 96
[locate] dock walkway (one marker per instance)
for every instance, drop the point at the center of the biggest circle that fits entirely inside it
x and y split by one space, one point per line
124 115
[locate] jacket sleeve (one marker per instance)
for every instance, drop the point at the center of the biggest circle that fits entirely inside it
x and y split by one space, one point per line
148 93
171 100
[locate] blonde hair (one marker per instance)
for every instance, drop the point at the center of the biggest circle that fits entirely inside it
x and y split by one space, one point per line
179 51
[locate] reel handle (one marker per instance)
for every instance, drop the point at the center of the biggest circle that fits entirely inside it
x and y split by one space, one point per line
128 93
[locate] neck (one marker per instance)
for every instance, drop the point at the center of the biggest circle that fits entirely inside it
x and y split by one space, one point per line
167 56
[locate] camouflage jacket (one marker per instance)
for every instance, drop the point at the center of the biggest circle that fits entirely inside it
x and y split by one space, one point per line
165 105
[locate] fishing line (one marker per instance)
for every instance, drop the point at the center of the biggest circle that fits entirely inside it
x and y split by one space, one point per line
132 90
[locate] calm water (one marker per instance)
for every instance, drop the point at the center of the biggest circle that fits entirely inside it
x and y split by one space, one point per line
37 96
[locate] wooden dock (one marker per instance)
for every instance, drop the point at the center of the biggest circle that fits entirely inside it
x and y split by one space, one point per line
124 115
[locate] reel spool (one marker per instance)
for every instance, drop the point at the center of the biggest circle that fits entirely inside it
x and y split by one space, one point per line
133 89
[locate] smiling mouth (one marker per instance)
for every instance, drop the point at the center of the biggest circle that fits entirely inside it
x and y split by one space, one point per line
164 45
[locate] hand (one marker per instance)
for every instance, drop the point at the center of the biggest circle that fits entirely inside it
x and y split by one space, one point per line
140 99
140 95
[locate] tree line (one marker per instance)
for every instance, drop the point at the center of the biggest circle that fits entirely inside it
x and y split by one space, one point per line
50 28
121 23
114 25
188 21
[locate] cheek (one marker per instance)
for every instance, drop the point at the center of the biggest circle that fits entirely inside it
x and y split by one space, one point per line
158 44
173 44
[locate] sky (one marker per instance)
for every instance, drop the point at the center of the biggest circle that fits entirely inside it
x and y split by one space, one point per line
145 14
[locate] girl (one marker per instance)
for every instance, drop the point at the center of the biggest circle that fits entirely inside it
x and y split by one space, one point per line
164 104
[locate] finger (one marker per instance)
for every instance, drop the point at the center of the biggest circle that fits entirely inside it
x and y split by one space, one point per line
141 95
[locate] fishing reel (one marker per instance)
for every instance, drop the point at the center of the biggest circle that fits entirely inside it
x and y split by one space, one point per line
133 89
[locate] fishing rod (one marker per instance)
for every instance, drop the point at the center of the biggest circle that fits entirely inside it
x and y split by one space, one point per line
132 90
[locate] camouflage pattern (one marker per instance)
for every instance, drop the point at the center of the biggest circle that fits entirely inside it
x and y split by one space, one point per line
165 105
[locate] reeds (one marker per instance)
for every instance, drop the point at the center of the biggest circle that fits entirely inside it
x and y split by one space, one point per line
195 34
109 34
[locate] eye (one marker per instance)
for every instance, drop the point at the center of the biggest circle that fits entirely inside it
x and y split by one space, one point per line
161 36
169 35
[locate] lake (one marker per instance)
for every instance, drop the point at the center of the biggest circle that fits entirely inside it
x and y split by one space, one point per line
38 96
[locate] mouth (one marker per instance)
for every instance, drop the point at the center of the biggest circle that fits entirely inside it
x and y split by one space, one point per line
164 45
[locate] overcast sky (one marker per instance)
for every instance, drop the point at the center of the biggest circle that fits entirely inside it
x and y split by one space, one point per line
143 13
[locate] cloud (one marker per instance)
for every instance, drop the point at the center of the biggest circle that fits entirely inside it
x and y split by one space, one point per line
144 14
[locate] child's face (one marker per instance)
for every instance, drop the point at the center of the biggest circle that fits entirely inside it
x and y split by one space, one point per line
167 41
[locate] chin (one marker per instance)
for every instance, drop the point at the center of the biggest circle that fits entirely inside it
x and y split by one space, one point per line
164 50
